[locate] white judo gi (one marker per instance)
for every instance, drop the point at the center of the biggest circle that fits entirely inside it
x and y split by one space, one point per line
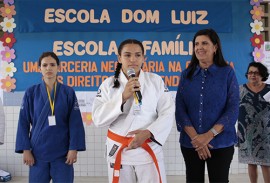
155 114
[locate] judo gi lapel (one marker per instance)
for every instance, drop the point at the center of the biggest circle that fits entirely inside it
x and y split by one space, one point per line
141 80
43 117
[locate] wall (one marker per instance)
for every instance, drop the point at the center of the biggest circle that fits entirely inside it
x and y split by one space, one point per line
92 161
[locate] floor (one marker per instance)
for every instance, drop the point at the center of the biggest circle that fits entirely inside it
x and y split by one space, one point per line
234 178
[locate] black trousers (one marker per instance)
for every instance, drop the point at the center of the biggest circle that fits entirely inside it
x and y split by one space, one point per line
218 165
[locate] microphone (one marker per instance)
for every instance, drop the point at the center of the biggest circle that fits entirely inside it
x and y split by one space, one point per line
137 94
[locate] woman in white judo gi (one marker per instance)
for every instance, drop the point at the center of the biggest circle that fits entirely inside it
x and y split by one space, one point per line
50 127
137 128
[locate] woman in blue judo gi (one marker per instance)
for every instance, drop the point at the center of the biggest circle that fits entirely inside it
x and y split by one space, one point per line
50 127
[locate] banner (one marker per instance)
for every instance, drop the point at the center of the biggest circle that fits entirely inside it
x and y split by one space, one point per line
122 16
88 51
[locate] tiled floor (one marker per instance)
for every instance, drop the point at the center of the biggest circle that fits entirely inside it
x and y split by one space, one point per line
234 178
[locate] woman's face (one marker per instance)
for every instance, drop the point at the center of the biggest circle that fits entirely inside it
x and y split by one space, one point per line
49 68
204 50
131 57
254 76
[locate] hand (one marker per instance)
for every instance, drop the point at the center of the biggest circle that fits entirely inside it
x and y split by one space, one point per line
71 157
132 85
202 140
28 158
201 145
204 153
140 137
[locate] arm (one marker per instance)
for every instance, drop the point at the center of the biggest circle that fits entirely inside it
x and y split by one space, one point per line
231 110
23 139
106 109
161 127
110 102
23 130
76 128
181 115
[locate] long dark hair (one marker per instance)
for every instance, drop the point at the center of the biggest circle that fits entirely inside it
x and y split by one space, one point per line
218 56
48 54
119 65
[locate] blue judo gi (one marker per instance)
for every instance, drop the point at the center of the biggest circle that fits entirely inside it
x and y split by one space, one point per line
50 144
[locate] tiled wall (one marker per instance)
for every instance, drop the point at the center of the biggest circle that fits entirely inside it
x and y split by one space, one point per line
92 161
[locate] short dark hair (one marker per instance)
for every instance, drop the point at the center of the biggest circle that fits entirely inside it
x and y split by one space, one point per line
261 68
48 54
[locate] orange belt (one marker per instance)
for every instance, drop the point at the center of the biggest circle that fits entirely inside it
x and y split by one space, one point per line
125 142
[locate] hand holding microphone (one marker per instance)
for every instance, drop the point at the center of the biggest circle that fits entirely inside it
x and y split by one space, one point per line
132 87
137 93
